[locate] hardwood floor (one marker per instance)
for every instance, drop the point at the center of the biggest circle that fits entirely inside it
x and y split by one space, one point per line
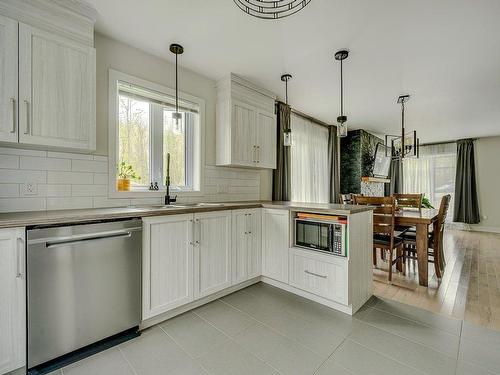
469 289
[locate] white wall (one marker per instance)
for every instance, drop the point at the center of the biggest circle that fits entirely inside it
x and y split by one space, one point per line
488 182
65 180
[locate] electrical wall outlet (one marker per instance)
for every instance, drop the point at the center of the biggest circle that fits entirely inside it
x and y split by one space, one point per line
30 188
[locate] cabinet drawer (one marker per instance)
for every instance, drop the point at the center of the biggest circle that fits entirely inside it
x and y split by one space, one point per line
323 275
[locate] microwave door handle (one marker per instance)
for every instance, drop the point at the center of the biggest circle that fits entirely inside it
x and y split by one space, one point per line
331 242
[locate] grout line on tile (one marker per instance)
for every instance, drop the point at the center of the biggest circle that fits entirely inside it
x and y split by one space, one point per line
184 350
126 360
408 338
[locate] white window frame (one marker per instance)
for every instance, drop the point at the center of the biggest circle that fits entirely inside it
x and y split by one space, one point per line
197 152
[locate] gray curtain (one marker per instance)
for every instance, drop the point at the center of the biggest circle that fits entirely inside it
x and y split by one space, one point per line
333 162
281 175
466 202
396 177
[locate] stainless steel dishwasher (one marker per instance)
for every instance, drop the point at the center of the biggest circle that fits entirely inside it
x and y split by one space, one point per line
84 285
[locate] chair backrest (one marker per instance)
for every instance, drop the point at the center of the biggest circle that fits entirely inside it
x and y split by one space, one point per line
409 200
383 214
348 198
443 211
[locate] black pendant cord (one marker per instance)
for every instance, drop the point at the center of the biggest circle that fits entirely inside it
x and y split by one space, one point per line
286 92
176 86
341 90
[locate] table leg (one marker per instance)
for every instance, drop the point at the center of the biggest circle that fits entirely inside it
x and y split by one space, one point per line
422 253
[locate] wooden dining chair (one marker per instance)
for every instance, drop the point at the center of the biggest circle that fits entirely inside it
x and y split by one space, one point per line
348 198
408 200
436 252
384 237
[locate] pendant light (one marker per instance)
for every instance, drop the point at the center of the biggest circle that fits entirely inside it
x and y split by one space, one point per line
341 120
404 145
176 49
287 133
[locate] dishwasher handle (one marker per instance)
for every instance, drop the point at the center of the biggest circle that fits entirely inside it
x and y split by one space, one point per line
90 238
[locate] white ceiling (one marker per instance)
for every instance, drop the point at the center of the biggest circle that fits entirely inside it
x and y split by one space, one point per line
445 53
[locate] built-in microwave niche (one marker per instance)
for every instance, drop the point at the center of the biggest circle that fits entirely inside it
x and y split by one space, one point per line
324 233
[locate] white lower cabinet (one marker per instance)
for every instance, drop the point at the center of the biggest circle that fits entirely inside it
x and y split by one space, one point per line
275 243
246 245
13 297
320 274
167 263
212 255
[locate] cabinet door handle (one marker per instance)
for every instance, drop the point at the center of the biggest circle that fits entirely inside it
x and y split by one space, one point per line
258 154
197 242
13 101
19 256
28 120
316 274
254 154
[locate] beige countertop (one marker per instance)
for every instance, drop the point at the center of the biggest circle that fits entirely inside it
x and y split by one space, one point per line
30 218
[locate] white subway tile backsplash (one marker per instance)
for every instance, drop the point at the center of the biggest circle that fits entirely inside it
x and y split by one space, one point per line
68 203
22 204
9 190
70 181
20 151
67 155
54 190
100 178
47 164
89 190
22 176
89 166
73 178
100 202
9 161
100 158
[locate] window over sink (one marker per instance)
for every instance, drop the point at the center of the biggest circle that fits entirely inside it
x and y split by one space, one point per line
143 132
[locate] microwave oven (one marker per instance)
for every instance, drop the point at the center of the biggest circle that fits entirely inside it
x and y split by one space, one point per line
321 235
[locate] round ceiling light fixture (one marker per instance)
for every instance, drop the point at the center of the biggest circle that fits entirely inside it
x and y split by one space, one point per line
271 9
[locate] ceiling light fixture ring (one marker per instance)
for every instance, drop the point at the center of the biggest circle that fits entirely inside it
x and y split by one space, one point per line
271 9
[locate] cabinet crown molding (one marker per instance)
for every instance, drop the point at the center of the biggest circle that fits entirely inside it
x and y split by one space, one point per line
72 18
233 78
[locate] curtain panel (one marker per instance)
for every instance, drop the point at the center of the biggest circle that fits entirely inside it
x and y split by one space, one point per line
282 173
334 165
309 161
466 201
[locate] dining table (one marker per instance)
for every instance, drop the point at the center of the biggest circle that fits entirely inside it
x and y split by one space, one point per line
422 219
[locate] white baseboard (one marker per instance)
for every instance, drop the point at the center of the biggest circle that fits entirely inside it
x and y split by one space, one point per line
480 228
334 305
190 306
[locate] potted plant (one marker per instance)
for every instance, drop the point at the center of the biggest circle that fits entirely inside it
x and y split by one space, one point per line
125 174
426 203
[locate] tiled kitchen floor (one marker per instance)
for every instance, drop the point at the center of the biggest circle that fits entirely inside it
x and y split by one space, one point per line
264 330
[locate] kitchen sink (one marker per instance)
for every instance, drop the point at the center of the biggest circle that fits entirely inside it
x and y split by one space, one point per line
157 206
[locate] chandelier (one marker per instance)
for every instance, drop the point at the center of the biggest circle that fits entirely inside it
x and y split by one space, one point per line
271 9
406 144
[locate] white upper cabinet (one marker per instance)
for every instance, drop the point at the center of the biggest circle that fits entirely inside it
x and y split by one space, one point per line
57 90
13 297
47 54
8 80
167 263
212 260
246 125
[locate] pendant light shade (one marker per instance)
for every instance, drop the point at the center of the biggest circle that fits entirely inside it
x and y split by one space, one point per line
341 120
176 49
287 133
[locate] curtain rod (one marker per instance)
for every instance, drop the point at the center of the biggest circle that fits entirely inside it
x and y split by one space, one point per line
446 142
310 118
307 117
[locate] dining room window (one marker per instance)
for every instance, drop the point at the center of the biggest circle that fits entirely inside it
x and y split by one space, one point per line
433 173
309 161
